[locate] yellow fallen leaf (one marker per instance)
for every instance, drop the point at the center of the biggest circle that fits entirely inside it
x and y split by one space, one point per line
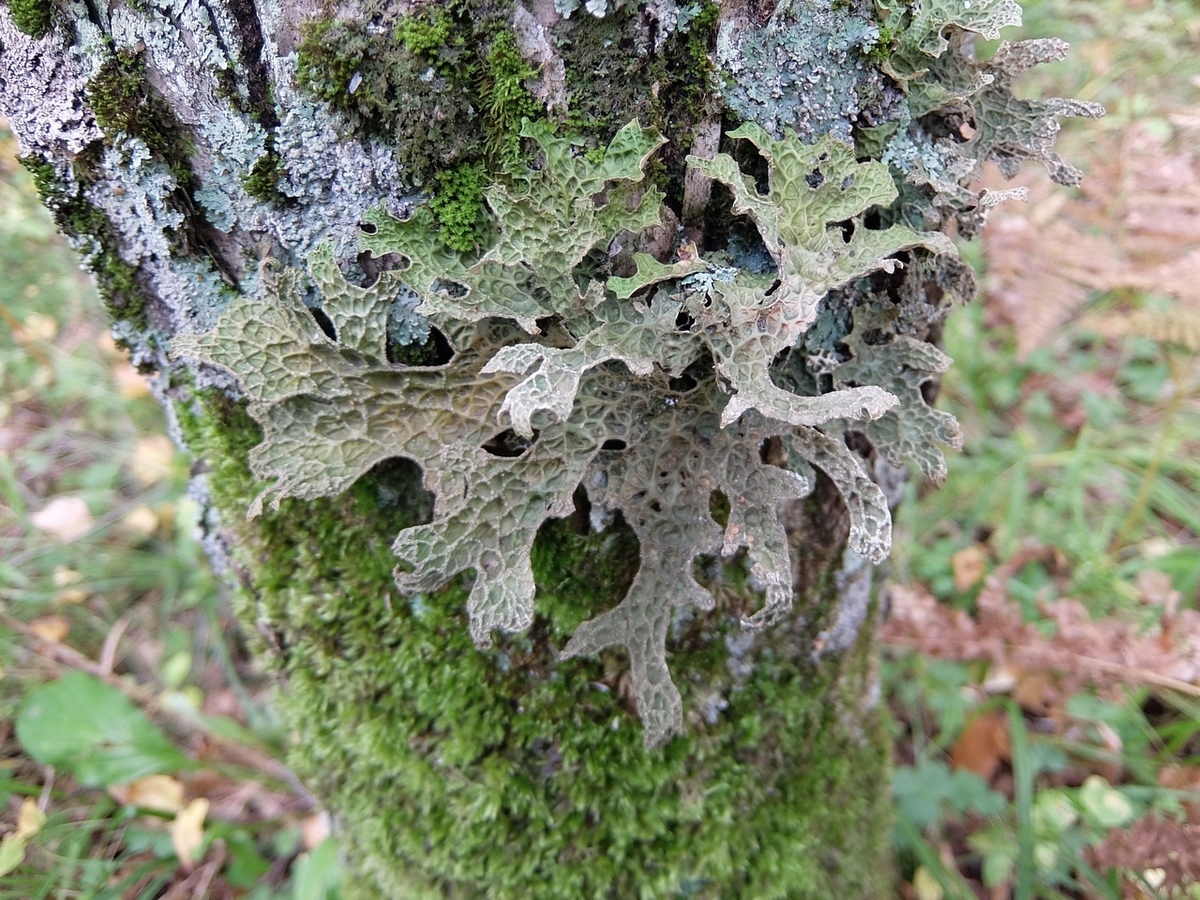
66 518
12 854
925 885
187 831
1000 679
40 327
1155 878
167 516
64 577
30 819
131 384
71 596
141 520
50 628
159 792
151 459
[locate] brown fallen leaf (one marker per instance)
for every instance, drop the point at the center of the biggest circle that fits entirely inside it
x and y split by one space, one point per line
1134 223
983 745
1080 650
1036 691
1153 843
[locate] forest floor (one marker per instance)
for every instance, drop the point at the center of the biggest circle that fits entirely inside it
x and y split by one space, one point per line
1042 650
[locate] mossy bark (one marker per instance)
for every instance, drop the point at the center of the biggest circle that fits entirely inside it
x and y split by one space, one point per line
453 771
456 772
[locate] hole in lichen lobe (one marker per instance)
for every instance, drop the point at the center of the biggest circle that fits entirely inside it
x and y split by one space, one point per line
509 445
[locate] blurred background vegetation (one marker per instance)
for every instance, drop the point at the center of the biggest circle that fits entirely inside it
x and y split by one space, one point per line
1042 655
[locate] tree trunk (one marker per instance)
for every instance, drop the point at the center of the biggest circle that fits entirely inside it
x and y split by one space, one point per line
498 717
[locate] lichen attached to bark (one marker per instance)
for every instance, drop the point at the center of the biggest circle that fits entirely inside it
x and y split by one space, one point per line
590 399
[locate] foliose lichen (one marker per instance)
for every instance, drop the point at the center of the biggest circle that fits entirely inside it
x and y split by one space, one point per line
584 386
541 330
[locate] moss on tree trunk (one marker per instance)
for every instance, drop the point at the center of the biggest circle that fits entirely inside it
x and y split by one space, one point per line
455 772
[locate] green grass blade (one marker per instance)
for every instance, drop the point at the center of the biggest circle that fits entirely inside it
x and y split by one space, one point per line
1023 799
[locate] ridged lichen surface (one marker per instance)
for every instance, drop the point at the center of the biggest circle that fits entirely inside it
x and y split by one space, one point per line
656 392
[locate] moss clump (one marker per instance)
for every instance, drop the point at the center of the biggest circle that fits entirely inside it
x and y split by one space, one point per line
457 203
881 49
116 279
672 90
506 100
426 34
508 773
34 17
446 87
262 182
124 101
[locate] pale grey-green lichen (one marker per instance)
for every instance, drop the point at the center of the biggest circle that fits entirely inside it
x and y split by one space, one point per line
195 56
791 359
972 104
41 80
331 408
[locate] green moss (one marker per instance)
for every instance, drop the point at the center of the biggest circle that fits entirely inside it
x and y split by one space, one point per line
430 352
426 33
116 280
328 56
262 182
446 88
457 202
881 49
123 100
508 773
672 90
505 99
398 95
34 17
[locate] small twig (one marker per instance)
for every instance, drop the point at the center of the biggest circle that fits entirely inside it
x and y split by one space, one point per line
209 871
47 788
108 652
1140 676
1065 660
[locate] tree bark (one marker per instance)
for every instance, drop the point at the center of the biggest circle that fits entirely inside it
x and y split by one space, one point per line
182 144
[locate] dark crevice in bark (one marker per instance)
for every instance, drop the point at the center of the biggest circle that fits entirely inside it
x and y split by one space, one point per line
258 79
94 15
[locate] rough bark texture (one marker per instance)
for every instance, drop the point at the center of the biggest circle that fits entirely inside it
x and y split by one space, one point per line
181 143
